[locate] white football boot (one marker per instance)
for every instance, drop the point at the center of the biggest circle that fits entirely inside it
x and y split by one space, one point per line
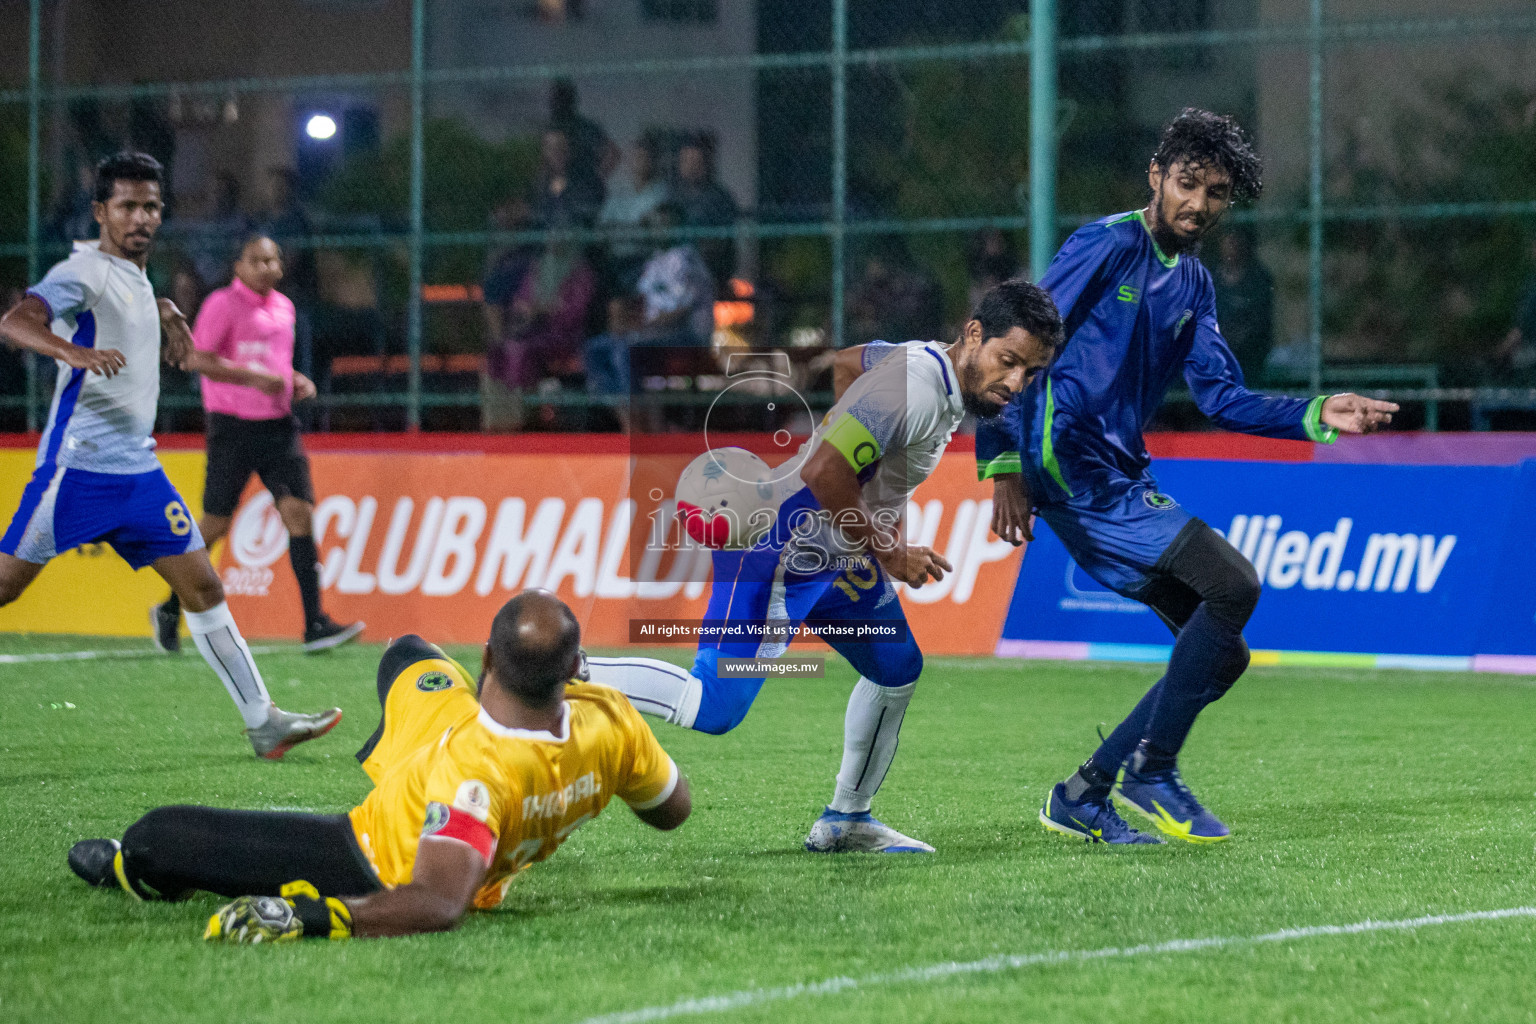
836 832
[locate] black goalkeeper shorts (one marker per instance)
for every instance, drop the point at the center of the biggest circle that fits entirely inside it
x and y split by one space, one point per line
245 853
269 448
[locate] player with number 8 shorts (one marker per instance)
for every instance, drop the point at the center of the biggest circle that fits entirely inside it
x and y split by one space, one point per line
97 478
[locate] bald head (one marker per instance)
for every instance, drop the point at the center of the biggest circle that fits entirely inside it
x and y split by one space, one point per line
533 647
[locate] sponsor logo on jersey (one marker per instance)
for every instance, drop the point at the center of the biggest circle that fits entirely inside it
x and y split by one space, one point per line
431 682
1128 293
473 798
1183 319
436 819
1157 500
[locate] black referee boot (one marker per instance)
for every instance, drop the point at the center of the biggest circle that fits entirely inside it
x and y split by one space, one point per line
324 633
165 626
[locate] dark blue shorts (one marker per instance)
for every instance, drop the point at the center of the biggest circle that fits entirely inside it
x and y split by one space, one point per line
757 604
139 514
1117 532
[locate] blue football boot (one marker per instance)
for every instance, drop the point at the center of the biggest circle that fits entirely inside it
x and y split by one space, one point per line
1092 820
1163 799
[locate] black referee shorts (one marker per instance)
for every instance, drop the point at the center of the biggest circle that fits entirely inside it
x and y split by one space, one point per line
269 448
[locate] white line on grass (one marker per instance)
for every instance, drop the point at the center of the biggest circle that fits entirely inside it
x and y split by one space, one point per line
994 964
32 659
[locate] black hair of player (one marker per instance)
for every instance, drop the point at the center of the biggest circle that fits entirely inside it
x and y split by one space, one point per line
126 166
534 642
249 239
1019 303
1204 139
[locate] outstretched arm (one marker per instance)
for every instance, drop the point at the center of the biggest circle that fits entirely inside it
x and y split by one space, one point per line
28 326
1217 384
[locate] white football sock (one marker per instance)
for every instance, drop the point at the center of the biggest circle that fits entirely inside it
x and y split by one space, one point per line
219 641
657 688
871 730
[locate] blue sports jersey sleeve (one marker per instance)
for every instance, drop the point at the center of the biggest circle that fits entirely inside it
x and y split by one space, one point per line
1216 381
1073 280
999 441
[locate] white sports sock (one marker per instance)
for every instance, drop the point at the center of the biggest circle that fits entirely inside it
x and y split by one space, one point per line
871 730
219 641
657 688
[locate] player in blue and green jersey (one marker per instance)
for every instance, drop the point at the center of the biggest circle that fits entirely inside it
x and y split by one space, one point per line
1139 312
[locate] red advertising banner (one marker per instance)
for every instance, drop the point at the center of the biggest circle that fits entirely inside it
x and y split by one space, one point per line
417 542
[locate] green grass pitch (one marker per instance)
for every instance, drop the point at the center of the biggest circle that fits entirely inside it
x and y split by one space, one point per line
1352 795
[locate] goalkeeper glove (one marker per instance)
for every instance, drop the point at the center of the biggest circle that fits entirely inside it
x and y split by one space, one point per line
299 913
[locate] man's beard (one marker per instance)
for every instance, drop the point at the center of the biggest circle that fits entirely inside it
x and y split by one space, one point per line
979 407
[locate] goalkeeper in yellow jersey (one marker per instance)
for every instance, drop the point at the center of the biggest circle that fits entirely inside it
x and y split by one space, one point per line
467 792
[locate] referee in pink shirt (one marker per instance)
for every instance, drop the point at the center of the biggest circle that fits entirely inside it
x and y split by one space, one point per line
244 352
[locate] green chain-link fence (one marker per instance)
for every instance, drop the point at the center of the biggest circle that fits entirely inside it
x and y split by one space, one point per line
879 164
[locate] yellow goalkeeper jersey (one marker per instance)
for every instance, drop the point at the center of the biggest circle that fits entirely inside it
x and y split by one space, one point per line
443 767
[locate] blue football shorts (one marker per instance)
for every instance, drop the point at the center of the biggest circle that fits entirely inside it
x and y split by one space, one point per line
1117 532
139 514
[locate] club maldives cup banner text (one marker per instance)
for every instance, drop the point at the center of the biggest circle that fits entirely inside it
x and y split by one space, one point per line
1422 566
434 544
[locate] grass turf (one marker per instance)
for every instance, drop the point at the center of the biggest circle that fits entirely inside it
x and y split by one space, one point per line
1353 795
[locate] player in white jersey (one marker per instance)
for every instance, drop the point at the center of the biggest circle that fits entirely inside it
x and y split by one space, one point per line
97 478
836 546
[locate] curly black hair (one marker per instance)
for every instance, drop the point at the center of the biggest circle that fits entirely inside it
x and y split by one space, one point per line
125 166
1200 137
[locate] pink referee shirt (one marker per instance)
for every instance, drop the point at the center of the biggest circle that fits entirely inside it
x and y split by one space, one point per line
252 331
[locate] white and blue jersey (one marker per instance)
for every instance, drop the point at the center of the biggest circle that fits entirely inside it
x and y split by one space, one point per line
1135 320
96 477
892 426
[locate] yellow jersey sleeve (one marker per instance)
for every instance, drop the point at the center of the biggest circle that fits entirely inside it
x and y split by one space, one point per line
649 775
466 797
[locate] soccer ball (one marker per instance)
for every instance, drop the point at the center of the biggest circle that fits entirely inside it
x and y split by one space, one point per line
725 498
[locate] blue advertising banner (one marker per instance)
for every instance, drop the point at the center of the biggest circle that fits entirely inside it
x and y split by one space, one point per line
1421 566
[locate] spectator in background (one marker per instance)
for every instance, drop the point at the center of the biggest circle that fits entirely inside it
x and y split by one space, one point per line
226 228
1514 361
678 290
990 259
631 199
607 355
288 223
705 202
507 265
1245 302
563 199
73 219
894 299
593 156
544 324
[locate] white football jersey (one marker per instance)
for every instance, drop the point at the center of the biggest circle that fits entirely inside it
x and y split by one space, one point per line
908 399
100 424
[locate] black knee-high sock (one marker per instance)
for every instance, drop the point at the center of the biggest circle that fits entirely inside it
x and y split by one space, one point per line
1202 656
306 569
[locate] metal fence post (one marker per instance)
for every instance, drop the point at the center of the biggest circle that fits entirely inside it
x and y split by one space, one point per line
1042 136
34 183
413 328
839 162
1315 195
